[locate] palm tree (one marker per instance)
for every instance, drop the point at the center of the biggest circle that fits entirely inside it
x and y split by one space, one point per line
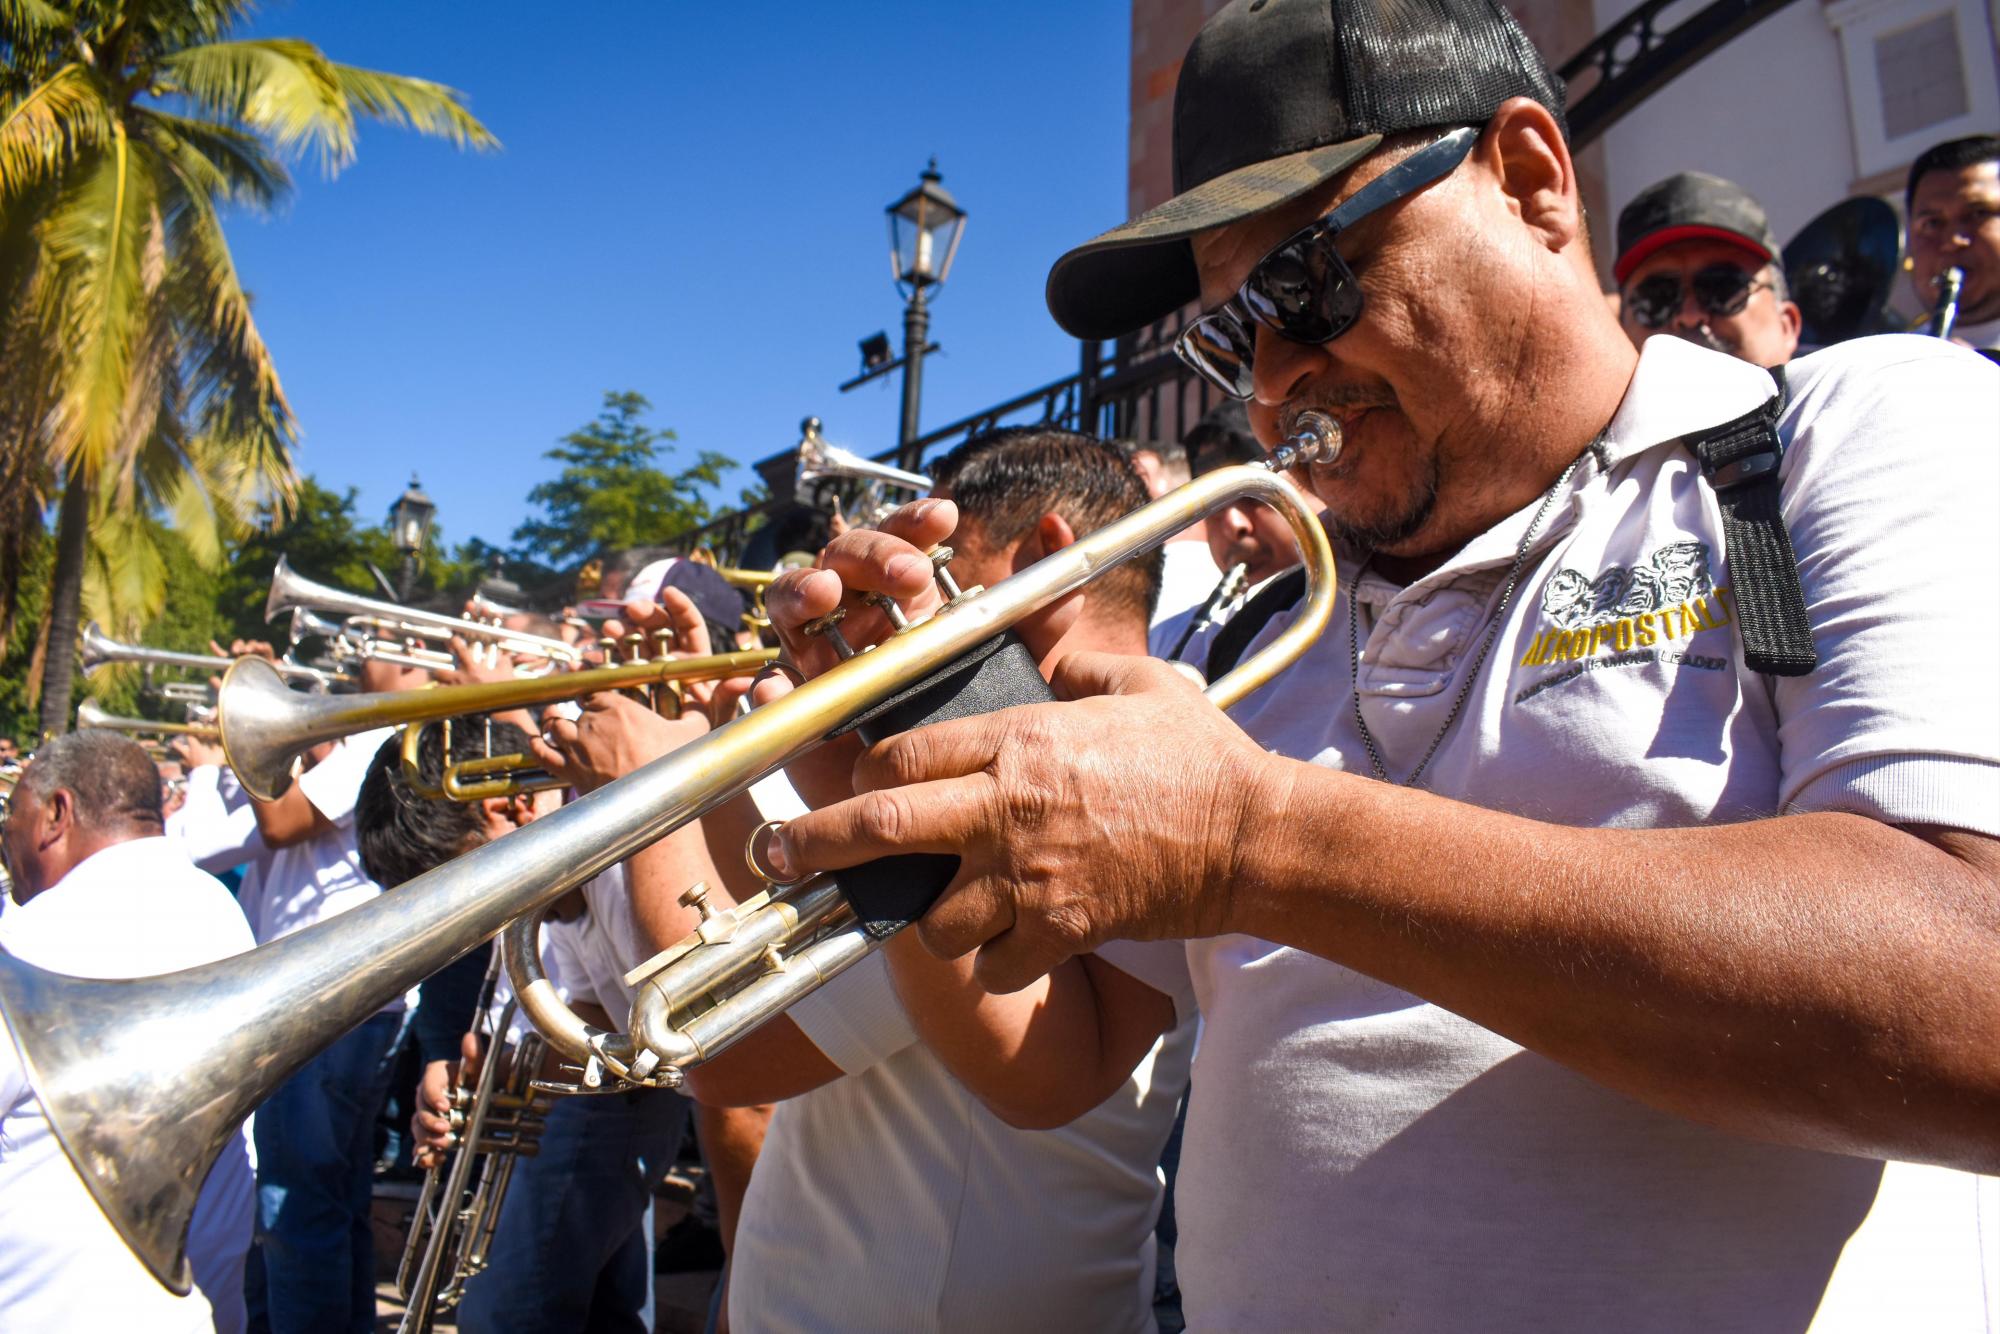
136 386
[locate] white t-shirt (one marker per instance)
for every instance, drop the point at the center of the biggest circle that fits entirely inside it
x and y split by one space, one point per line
891 1199
216 825
1359 1159
587 959
132 910
1187 576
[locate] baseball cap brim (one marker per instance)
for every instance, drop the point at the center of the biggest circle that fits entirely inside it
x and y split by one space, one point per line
1144 270
1654 242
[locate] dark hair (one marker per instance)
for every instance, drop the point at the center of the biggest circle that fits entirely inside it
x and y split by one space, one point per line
112 782
1009 478
1952 155
1223 436
400 834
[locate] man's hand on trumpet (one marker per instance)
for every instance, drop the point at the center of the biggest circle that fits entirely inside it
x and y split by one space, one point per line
1111 815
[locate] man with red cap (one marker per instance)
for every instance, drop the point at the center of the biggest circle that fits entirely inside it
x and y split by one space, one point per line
1696 259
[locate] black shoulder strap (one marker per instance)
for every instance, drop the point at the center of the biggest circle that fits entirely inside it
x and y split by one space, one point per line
1235 636
1740 461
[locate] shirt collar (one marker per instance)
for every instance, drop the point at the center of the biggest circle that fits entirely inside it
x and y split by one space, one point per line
118 861
1680 389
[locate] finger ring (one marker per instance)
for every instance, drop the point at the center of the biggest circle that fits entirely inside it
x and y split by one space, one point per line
775 668
756 865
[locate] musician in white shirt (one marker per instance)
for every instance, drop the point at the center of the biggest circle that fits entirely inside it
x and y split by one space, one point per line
104 894
314 1264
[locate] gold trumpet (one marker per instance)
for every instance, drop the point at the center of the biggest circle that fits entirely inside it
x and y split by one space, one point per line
267 727
144 1080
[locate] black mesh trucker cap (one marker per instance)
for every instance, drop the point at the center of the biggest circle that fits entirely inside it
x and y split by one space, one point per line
1276 97
1690 206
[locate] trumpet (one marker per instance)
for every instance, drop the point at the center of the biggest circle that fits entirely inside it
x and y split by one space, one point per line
266 727
498 1121
367 620
820 462
1944 315
90 714
144 1080
96 648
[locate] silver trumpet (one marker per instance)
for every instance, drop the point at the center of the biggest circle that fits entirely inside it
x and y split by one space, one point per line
497 1120
144 1080
821 462
366 620
96 648
91 715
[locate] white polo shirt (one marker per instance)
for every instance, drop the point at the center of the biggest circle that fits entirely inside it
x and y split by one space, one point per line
1187 576
132 910
1359 1159
588 958
321 876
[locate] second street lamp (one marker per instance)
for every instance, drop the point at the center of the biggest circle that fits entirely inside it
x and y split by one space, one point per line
409 525
924 230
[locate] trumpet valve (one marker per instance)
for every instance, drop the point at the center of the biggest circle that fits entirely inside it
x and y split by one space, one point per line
890 608
663 642
695 896
941 573
774 959
827 627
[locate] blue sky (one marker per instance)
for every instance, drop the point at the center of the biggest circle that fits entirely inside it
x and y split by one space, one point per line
689 203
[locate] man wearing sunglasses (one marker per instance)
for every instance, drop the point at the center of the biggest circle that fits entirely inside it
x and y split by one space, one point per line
1696 259
1567 959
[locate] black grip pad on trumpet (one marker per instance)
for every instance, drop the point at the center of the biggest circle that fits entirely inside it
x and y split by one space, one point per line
889 893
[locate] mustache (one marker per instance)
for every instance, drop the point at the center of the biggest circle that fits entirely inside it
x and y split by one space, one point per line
1336 401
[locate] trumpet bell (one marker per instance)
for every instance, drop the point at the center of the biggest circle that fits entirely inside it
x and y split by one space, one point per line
259 734
141 1129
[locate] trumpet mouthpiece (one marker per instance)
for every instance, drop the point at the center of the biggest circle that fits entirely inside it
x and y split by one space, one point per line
1315 439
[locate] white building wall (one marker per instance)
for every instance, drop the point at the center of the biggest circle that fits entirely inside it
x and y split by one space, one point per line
1791 110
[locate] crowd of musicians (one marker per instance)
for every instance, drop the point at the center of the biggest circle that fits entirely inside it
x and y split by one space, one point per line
1598 927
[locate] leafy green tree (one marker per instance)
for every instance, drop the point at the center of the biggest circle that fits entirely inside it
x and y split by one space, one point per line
611 491
138 387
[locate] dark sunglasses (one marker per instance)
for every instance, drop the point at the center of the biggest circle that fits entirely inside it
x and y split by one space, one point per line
1303 290
1720 290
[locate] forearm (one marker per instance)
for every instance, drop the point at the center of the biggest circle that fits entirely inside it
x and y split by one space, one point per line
1821 980
1036 1058
731 1138
290 819
659 874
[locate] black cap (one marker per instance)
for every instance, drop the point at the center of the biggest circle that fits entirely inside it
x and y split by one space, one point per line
719 603
1277 97
1692 206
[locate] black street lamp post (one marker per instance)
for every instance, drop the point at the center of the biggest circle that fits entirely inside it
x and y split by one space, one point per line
409 524
924 229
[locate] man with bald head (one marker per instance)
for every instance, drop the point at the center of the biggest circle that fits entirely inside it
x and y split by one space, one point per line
1595 928
104 894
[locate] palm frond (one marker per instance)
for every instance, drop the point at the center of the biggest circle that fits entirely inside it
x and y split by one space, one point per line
424 106
29 18
45 132
95 241
278 86
223 163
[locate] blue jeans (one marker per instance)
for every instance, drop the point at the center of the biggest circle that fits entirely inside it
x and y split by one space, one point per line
312 1270
573 1252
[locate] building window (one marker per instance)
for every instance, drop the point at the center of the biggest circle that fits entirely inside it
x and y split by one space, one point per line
1922 76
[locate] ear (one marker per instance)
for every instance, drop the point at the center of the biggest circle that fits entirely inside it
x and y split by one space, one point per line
1053 533
1524 150
58 818
496 815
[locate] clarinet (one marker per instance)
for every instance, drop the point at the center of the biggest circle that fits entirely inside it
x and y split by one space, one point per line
1231 584
1945 315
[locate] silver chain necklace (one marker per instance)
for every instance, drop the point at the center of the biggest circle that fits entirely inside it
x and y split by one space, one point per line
1472 670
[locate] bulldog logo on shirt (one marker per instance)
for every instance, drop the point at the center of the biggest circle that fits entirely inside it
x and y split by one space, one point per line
1628 616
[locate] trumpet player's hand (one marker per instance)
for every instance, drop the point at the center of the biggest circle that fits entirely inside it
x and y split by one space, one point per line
891 559
430 1125
478 664
1069 833
194 751
675 613
612 735
244 648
